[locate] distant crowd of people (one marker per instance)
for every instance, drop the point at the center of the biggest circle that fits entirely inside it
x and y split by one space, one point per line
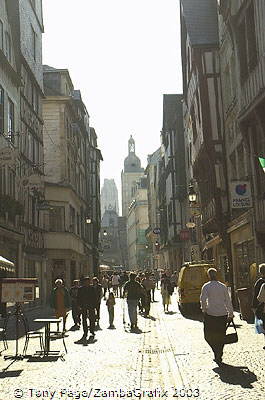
85 297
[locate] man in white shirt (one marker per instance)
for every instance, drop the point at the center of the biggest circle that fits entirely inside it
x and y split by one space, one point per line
217 308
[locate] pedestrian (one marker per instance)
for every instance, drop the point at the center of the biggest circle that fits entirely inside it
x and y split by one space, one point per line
99 294
133 291
104 283
76 313
217 308
157 277
173 280
110 304
261 300
86 300
115 283
123 279
166 291
60 301
257 287
148 284
153 279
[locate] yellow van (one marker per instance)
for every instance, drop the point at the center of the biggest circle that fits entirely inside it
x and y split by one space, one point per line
192 277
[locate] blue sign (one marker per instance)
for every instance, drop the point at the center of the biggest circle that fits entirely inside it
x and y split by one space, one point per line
156 231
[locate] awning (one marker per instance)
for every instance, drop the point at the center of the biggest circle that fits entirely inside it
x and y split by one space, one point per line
6 265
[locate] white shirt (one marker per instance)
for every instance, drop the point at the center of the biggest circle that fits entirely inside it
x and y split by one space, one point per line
215 299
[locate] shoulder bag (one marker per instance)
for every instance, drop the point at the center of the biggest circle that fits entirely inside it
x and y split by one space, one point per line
231 337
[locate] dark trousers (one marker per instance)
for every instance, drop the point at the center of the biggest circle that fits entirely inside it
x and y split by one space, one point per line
97 312
90 313
147 302
76 314
153 294
111 314
214 333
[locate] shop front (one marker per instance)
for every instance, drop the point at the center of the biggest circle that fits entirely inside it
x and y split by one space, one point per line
243 251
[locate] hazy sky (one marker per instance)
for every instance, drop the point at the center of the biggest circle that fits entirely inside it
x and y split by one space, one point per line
123 55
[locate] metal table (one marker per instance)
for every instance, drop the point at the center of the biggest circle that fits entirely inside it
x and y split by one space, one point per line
47 335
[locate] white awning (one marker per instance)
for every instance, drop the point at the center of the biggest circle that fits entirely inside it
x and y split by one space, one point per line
5 262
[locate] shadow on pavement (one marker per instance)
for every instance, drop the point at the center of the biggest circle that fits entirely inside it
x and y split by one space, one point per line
44 358
196 316
171 312
241 375
10 374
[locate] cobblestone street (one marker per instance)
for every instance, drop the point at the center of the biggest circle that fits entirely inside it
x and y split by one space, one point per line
169 359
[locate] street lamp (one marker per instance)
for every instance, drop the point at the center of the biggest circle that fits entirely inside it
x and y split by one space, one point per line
88 220
192 195
105 233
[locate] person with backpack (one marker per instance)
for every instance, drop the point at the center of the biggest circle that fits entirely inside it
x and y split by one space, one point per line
132 290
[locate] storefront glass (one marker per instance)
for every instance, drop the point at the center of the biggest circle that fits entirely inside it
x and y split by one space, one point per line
245 256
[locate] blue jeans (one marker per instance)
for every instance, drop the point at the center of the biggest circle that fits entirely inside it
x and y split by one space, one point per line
132 310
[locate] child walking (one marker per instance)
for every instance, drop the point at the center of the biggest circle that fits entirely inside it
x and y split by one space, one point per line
110 304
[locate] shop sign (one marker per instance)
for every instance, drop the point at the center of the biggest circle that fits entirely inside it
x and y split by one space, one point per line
240 194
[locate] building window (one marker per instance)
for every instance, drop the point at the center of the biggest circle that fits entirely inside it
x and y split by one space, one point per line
247 43
72 220
56 219
11 121
1 35
8 46
1 110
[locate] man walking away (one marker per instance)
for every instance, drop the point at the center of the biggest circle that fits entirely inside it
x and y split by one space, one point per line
75 309
133 291
217 308
86 300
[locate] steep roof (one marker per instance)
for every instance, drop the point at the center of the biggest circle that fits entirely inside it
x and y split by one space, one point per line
201 18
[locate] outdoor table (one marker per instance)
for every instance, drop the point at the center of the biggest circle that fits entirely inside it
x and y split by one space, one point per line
47 335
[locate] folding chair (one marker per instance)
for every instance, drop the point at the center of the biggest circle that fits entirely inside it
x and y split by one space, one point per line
32 334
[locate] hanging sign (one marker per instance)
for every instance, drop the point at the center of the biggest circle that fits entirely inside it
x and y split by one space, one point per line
240 194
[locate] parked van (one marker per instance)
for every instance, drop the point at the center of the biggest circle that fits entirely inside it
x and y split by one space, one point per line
192 277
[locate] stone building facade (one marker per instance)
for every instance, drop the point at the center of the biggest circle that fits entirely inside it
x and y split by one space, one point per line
137 223
22 92
71 181
153 231
242 47
203 123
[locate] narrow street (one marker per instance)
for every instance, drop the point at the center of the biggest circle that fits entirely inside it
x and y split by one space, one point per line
169 359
